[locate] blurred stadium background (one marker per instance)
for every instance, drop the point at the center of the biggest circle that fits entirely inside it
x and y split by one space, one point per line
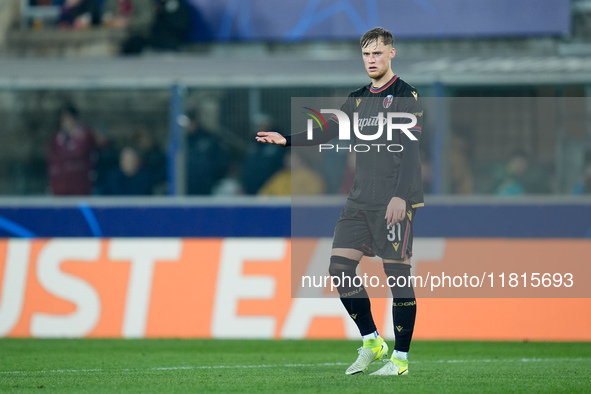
507 163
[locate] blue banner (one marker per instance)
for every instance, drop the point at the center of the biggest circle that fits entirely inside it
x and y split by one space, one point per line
461 220
271 20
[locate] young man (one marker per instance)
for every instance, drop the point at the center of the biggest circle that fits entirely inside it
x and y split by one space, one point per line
380 210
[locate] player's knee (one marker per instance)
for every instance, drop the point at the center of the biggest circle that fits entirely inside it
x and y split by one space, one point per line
399 280
397 269
342 266
405 261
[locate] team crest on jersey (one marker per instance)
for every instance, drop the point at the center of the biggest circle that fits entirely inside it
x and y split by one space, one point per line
388 101
414 94
358 102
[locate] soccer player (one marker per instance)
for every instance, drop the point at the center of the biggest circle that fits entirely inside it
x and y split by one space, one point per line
380 210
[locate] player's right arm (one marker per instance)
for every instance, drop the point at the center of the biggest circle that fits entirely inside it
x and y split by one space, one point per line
271 137
301 139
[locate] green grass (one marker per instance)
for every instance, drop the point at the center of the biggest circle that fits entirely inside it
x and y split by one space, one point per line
236 366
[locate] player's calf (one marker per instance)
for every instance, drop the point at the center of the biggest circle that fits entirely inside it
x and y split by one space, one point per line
404 307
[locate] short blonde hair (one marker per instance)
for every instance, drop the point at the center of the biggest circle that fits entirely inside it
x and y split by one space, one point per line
376 34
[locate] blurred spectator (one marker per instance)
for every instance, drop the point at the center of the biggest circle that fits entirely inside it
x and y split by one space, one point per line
230 184
296 178
130 178
584 186
460 167
107 158
134 16
426 171
512 183
79 14
261 161
168 28
521 177
206 159
171 25
71 156
152 156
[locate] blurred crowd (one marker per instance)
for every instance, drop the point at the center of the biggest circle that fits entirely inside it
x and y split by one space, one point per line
160 25
82 161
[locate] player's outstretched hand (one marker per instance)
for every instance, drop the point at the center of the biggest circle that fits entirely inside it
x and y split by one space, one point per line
271 137
395 211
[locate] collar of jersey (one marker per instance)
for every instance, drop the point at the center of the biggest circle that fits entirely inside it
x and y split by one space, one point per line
394 78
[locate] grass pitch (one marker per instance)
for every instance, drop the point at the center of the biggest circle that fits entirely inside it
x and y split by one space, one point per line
238 366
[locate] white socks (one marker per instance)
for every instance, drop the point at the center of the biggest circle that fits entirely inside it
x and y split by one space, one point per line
401 355
373 335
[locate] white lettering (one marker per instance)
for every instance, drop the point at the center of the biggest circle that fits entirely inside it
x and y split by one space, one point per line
232 286
368 122
402 127
347 148
67 287
344 123
13 286
143 255
395 148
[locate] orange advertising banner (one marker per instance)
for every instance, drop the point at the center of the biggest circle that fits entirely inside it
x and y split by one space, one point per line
242 288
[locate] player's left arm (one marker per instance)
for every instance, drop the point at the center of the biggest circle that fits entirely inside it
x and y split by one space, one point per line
409 164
